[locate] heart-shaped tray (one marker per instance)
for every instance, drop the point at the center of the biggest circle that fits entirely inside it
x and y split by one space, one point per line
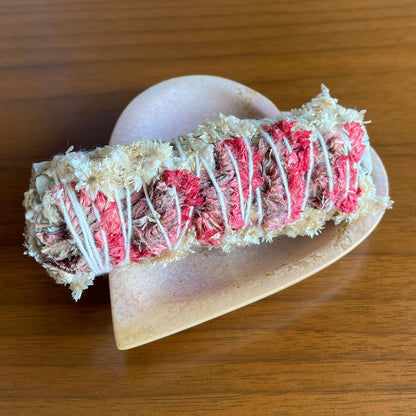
151 304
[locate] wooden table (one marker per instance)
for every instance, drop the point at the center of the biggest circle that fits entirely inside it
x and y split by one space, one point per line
342 342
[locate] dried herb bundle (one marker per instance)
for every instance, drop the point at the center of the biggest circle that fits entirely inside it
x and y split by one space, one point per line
229 183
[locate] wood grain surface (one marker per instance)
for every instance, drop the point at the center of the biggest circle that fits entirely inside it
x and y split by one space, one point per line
343 342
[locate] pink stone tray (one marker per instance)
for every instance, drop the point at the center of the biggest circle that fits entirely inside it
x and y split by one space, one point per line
152 304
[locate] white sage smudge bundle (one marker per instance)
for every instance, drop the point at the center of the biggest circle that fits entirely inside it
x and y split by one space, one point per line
229 183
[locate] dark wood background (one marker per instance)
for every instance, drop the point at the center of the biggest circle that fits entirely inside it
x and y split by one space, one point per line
343 342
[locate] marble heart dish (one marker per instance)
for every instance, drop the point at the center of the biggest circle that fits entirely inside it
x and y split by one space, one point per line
148 304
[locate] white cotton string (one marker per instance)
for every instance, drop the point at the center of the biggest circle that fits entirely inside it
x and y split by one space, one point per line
123 228
85 229
327 163
191 210
219 192
156 217
179 147
220 139
250 179
198 166
309 175
259 207
347 184
103 236
240 188
281 170
129 226
178 209
288 147
178 212
74 234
